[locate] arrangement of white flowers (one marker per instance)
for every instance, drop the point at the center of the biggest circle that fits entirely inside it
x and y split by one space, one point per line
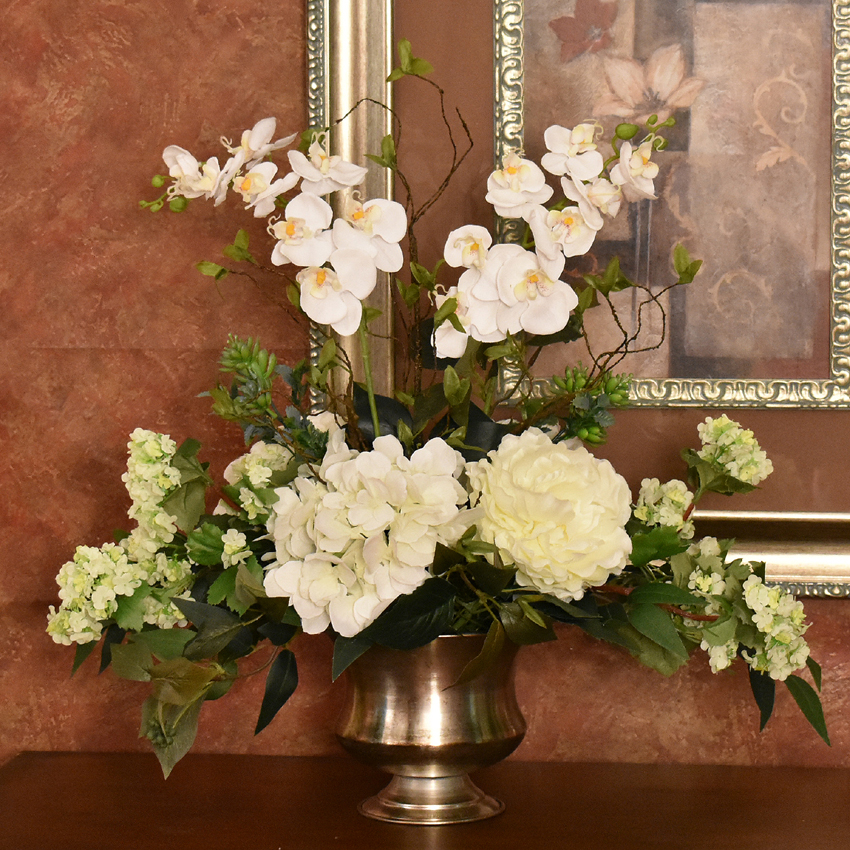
461 505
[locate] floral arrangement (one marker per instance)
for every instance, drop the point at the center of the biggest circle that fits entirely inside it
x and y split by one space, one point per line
466 502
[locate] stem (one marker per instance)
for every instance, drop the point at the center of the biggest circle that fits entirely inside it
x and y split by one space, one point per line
367 368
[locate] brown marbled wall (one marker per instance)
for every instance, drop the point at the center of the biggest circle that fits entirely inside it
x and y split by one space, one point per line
106 326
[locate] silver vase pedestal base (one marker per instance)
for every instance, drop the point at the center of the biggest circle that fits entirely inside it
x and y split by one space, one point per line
431 800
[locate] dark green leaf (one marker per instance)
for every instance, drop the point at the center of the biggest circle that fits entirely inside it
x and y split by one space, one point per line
646 650
490 651
278 633
764 693
521 628
281 682
658 594
114 636
445 558
346 652
164 643
814 669
416 618
658 626
491 580
83 651
806 697
216 628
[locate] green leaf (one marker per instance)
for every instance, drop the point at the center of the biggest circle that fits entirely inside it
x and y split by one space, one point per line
113 636
661 543
719 632
171 729
806 697
646 650
211 269
328 354
658 594
658 626
764 693
83 651
278 634
346 652
416 618
490 651
521 628
164 643
456 389
187 503
281 682
132 661
178 681
814 669
216 628
130 610
447 308
489 579
204 545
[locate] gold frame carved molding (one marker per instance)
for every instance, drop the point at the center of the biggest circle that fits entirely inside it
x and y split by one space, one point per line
349 57
833 392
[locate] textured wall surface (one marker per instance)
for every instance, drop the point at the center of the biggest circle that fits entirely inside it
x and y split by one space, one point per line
106 326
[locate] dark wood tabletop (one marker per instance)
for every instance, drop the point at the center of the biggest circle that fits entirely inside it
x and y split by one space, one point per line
119 801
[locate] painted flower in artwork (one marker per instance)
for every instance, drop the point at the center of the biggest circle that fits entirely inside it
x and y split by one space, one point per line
587 30
660 86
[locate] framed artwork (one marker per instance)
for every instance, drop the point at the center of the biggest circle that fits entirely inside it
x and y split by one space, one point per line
754 180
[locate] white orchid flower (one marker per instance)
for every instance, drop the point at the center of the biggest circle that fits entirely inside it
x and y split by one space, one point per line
572 151
256 143
578 191
303 235
332 296
605 196
635 171
322 173
517 186
194 179
259 190
374 227
529 299
559 233
467 246
448 340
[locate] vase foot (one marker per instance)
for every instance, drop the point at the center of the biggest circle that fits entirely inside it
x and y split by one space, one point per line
431 801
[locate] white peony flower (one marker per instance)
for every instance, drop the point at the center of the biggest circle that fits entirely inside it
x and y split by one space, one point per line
517 186
304 238
555 511
322 173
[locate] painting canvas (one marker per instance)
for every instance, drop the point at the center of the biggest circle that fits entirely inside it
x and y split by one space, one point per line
745 182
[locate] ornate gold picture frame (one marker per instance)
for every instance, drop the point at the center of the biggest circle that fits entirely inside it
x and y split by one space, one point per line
520 51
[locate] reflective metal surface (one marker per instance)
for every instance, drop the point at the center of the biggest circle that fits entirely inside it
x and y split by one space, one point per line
403 716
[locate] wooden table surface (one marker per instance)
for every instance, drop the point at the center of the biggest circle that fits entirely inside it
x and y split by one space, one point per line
119 801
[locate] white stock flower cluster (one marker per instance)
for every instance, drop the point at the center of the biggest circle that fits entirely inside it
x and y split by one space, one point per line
507 288
729 445
90 585
350 542
780 619
776 645
665 504
252 472
555 511
339 258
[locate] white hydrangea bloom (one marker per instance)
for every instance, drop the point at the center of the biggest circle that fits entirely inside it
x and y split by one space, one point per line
665 504
349 544
253 471
720 657
729 445
236 549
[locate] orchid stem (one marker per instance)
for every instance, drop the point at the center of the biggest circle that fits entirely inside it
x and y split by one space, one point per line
367 368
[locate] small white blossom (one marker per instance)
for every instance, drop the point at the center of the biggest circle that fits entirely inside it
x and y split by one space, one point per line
727 444
665 504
